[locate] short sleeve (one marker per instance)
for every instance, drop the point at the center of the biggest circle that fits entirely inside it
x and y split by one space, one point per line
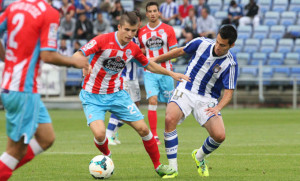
192 46
229 77
140 40
49 31
93 46
172 41
140 59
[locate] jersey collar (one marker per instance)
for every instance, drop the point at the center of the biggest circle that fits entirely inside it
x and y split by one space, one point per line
154 27
116 38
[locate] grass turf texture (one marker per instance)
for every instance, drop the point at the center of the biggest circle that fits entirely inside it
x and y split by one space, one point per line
261 144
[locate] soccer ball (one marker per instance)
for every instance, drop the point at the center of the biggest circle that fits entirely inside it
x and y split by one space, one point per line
101 167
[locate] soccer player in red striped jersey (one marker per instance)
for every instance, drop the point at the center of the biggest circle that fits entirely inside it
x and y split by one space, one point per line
102 89
32 36
157 38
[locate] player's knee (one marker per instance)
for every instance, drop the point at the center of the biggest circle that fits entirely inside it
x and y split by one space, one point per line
47 142
143 131
152 101
220 137
170 122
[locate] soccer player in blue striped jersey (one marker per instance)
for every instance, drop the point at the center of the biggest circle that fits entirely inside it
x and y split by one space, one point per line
212 68
131 85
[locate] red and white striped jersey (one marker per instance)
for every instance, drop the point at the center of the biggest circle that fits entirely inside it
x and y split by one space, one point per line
31 27
108 58
158 41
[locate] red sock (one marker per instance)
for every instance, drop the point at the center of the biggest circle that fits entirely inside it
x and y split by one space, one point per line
103 148
152 150
28 157
5 172
152 117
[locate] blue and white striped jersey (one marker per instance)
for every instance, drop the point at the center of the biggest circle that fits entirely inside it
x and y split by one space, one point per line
130 71
209 74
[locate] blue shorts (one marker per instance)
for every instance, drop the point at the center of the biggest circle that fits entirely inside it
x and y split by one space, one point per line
24 111
158 85
119 103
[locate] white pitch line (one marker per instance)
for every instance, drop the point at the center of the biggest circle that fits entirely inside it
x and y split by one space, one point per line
217 154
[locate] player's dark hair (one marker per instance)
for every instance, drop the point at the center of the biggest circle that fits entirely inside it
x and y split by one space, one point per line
228 32
138 14
151 3
129 17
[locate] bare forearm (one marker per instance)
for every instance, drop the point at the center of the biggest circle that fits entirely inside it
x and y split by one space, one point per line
155 68
225 99
174 53
2 52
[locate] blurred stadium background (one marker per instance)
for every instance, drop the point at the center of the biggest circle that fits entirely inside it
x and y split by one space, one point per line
268 54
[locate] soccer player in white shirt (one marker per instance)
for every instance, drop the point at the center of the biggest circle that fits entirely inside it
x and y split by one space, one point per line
211 68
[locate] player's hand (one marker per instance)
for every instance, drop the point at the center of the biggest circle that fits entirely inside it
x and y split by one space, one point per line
179 77
85 72
212 111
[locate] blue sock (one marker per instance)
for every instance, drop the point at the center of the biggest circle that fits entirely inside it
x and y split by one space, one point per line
171 145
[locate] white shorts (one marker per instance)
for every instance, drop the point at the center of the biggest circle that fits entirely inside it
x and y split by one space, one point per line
133 89
190 102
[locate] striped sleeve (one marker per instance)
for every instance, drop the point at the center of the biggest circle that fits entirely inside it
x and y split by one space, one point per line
229 76
192 46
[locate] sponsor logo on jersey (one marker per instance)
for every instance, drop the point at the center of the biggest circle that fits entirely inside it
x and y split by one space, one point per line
154 43
216 68
113 65
89 45
52 35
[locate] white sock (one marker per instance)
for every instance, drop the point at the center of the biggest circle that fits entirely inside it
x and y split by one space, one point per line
152 107
9 160
148 137
173 163
100 143
200 155
36 148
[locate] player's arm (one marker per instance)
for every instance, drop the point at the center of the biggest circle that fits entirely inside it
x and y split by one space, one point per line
55 58
155 68
2 52
85 71
224 101
174 53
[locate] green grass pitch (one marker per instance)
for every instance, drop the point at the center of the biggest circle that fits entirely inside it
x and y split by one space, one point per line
261 144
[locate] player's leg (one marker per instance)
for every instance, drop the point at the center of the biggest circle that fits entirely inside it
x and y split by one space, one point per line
173 116
100 140
95 107
152 90
44 136
152 117
215 127
20 120
216 130
111 129
151 147
9 160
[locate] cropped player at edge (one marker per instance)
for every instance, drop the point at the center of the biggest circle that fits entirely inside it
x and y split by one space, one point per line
102 88
157 38
211 68
32 37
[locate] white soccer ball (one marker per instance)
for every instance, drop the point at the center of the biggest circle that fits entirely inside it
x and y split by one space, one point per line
101 167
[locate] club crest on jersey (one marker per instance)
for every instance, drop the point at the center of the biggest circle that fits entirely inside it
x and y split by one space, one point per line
89 45
154 43
161 31
216 68
113 65
128 52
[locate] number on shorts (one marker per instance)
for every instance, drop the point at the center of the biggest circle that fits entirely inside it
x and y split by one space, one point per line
132 108
18 20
